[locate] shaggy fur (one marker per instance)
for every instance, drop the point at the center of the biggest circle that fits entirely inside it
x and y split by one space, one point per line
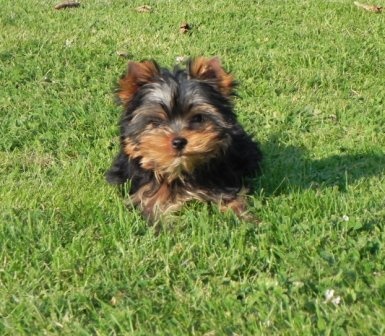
180 139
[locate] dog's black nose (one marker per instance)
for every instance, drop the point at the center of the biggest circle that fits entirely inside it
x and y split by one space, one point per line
179 143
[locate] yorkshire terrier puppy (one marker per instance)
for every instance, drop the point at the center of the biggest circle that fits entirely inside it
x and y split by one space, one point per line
180 139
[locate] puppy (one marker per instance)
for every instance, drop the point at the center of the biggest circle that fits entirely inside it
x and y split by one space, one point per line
180 139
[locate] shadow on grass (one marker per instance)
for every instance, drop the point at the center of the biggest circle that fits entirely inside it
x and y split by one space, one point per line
289 167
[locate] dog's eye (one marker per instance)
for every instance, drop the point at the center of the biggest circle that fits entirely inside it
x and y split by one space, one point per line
197 119
155 122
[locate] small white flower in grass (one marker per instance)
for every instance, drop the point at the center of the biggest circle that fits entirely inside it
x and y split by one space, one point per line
181 59
345 218
329 293
329 297
336 300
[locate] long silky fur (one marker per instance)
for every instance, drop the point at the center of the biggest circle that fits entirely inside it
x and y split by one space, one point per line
219 174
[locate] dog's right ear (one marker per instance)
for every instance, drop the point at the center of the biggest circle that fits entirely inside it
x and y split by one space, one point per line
138 74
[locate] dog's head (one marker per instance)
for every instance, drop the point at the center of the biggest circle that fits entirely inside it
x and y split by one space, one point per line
175 121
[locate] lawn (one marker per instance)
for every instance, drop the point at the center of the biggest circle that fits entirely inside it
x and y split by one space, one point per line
75 260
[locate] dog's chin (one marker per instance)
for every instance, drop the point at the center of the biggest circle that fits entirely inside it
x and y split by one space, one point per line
176 169
179 167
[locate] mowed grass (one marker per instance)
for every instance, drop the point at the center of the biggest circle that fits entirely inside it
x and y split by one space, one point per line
74 260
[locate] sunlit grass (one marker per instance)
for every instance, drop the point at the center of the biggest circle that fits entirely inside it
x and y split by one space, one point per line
74 260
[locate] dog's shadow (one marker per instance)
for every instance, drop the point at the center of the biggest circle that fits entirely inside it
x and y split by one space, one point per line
288 168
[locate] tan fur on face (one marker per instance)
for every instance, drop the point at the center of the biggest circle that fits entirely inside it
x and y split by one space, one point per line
157 154
202 146
130 148
156 150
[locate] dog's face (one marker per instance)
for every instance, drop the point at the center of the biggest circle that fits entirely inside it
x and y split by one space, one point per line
176 121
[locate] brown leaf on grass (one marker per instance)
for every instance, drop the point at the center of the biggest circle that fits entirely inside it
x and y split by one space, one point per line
144 9
370 8
184 25
184 28
67 4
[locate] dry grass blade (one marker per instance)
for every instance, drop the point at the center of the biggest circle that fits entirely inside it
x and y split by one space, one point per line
122 54
370 8
67 4
144 9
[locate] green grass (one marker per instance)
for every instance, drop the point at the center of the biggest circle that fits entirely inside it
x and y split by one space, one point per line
75 261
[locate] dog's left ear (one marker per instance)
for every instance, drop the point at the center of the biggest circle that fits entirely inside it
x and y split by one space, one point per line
210 70
138 74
